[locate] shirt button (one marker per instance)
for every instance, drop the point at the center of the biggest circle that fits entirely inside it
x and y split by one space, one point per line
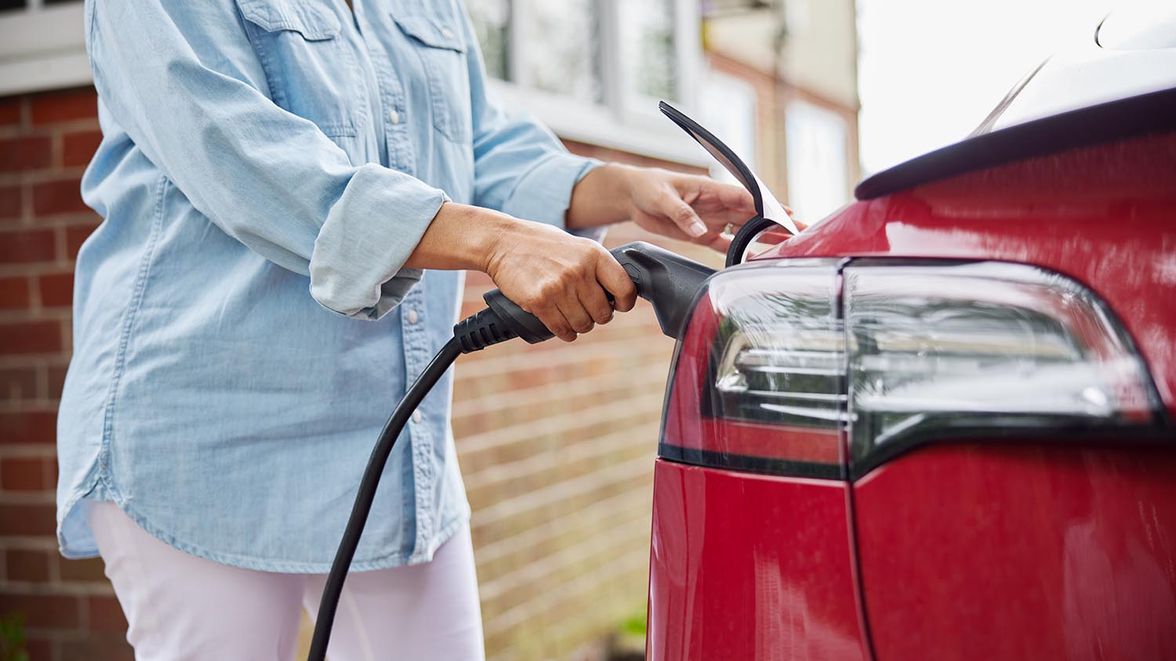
411 317
447 33
394 116
417 417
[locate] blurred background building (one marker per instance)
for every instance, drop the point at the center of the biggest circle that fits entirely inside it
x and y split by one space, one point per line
556 441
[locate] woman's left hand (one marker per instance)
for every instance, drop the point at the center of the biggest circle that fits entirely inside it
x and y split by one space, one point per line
681 206
688 207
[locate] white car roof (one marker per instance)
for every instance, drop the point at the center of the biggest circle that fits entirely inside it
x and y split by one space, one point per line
1119 82
1132 52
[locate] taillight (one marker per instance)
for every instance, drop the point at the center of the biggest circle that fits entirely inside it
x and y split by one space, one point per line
785 366
758 379
984 349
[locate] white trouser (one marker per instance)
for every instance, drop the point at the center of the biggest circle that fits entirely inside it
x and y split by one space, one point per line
180 606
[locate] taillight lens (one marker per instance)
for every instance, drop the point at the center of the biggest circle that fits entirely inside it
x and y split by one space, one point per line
785 365
780 357
758 382
941 351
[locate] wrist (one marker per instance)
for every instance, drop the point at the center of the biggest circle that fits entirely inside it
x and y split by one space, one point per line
462 237
602 197
496 232
619 182
617 196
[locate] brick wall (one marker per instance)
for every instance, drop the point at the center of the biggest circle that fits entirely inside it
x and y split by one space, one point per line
555 441
45 143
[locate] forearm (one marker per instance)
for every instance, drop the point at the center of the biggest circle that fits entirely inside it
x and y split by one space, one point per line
461 237
602 197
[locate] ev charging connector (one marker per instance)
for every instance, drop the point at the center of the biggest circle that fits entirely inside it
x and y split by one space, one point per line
668 281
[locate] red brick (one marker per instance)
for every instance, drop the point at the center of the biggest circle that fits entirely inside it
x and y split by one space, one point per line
14 293
10 110
10 202
23 337
28 566
28 427
56 380
56 290
77 148
106 614
27 246
107 647
39 648
17 383
27 519
58 196
26 473
45 611
89 570
75 236
69 105
24 153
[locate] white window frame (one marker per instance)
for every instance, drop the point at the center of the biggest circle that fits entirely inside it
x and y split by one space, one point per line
808 124
43 48
614 123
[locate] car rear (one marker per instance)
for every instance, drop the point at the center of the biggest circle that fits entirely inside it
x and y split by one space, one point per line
938 423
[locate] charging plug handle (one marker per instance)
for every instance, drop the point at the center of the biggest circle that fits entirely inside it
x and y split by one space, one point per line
668 281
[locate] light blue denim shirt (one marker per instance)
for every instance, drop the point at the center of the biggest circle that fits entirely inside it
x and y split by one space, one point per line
243 321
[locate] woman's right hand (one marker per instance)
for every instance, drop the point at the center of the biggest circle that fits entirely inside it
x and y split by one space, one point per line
562 279
559 278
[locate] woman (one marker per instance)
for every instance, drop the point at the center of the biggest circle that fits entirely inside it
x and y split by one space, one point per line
290 189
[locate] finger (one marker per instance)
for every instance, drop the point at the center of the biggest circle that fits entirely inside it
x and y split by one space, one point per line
720 219
553 318
721 243
612 276
731 196
665 228
681 214
573 310
659 225
594 300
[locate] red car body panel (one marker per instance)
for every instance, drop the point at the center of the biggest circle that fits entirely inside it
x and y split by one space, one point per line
750 567
997 551
968 549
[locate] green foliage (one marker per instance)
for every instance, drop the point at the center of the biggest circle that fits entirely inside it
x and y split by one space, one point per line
628 640
12 638
634 625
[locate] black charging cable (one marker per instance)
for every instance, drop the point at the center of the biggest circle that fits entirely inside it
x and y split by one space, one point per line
666 280
367 493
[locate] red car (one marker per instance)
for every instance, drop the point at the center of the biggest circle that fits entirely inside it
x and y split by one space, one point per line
938 424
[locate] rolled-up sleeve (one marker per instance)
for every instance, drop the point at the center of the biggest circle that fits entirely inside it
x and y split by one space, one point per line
520 167
185 84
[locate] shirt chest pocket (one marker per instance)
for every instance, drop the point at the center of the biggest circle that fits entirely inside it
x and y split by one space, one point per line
310 69
438 42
